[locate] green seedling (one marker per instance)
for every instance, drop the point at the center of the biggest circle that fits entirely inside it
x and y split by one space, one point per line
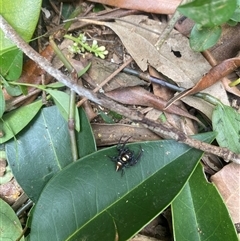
80 45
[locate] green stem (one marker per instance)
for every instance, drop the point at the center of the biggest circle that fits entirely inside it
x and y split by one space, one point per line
72 105
60 55
41 87
85 46
234 83
71 125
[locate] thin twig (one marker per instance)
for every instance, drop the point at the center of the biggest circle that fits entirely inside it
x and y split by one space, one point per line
100 99
111 76
209 98
12 104
168 29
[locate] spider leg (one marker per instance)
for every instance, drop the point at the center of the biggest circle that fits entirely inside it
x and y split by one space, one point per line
121 146
135 160
122 173
113 158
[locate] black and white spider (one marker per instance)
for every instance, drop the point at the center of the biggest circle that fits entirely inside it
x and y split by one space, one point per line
125 157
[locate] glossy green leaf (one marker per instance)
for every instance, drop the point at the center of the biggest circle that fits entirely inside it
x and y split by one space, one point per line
44 149
85 138
2 103
22 15
225 121
202 38
11 64
10 227
14 121
199 212
62 99
92 201
209 13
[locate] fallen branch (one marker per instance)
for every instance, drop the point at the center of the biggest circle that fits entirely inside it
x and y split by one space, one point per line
100 99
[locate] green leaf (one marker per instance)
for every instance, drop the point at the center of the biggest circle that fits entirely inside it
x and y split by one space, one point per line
232 23
44 149
225 121
92 201
107 118
11 64
62 99
67 10
22 15
199 212
202 38
236 14
209 13
11 228
85 138
2 103
13 90
84 70
14 121
55 85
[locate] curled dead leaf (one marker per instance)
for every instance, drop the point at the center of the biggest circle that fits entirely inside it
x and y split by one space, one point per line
215 74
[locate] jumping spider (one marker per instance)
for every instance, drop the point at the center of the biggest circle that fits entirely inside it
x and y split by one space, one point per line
125 157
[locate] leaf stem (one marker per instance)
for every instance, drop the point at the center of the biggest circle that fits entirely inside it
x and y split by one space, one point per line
72 105
85 46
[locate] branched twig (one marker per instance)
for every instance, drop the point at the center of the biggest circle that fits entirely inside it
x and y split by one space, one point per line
100 99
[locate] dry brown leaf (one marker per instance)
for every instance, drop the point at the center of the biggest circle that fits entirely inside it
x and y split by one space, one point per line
227 182
187 67
151 6
110 134
140 45
10 191
213 76
139 96
101 69
140 237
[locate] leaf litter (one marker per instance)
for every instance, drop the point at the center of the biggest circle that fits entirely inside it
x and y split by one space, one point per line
185 71
176 61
